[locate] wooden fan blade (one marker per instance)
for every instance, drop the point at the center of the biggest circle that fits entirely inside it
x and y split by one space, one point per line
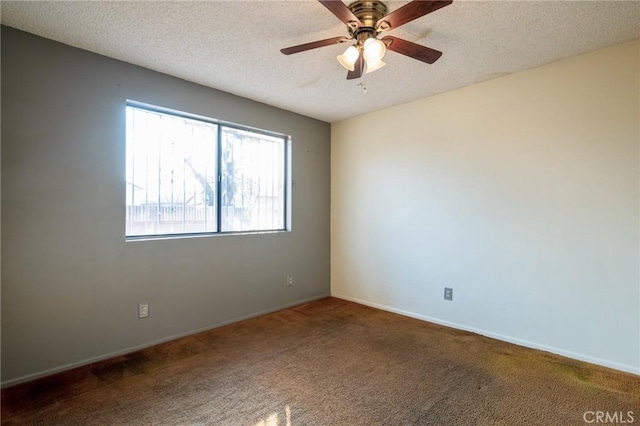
415 51
313 45
341 11
411 11
358 68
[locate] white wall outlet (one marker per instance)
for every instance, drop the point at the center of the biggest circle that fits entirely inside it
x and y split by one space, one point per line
143 310
448 293
289 280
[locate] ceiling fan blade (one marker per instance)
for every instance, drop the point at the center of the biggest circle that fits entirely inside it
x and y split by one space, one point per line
409 12
358 68
313 45
415 51
341 11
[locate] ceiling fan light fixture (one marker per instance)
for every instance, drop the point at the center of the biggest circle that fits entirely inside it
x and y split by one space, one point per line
365 19
349 57
374 66
374 50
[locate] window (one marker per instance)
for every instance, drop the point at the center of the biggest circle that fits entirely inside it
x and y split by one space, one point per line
188 175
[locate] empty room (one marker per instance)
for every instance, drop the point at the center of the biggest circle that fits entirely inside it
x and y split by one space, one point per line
320 212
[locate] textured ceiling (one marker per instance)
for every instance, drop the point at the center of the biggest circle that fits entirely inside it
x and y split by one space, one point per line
234 45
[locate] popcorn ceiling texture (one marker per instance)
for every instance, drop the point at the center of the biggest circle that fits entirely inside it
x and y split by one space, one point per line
234 46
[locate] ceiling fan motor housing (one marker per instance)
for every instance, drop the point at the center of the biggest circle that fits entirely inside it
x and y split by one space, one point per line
369 13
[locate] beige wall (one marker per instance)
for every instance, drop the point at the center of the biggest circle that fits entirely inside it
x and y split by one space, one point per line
521 193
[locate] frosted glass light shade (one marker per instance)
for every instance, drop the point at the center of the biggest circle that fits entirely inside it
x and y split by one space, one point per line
371 67
349 57
374 50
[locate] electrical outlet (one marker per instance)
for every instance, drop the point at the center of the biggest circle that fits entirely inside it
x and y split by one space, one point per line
448 293
289 280
143 310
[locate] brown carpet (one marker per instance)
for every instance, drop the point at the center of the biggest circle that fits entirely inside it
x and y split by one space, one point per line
329 362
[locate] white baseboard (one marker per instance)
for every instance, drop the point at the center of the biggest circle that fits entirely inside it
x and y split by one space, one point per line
520 342
73 365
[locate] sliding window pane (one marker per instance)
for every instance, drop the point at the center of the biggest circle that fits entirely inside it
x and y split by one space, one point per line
252 181
171 174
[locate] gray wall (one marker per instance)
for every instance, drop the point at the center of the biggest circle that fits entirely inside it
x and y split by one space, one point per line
70 283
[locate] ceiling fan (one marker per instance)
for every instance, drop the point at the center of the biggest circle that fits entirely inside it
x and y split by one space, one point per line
365 20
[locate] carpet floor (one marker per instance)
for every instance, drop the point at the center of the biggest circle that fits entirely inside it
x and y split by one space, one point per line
329 362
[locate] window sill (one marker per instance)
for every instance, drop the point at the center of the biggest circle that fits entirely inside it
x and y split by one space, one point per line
201 235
